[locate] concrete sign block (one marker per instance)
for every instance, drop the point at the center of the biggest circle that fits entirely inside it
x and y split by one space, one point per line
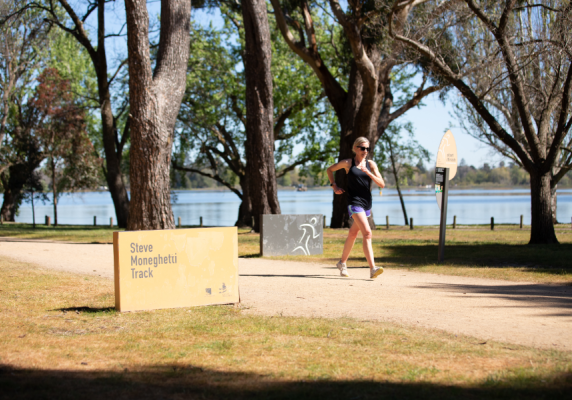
291 235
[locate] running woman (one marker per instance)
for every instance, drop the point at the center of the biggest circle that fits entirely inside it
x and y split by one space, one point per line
361 172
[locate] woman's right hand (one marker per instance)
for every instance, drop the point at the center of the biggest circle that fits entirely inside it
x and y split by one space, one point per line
337 190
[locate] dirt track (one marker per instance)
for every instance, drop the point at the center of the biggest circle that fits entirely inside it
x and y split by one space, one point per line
514 312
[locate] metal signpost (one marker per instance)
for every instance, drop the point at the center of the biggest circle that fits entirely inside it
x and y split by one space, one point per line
442 189
445 170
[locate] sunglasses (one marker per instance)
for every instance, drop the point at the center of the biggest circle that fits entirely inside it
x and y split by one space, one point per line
363 148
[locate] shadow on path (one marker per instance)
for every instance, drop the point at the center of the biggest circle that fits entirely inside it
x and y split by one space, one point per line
531 295
305 276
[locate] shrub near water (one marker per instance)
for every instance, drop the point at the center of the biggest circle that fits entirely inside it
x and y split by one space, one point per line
61 338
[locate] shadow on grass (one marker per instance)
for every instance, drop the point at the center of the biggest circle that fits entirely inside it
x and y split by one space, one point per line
88 310
254 255
176 381
552 259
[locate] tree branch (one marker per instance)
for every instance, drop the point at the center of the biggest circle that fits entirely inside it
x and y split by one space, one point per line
335 92
124 62
322 156
212 176
415 100
363 62
563 127
534 142
441 67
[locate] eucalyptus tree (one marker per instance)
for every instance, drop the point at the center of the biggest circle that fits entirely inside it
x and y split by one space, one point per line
155 99
212 120
259 110
360 92
23 39
511 62
72 19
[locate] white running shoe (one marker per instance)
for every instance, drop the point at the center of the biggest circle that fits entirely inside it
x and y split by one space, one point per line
343 268
375 272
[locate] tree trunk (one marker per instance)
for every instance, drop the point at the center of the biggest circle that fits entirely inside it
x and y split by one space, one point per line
400 195
542 226
13 186
396 177
33 212
54 190
155 99
553 202
113 174
18 175
359 118
259 143
10 203
244 219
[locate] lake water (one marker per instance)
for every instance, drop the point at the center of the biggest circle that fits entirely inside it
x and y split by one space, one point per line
220 208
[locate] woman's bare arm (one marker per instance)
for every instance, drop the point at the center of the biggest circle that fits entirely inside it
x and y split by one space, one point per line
344 164
374 174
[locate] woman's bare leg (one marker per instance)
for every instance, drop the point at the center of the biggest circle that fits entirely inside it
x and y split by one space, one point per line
352 235
361 220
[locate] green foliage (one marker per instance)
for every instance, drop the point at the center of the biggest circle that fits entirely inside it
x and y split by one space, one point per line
73 64
212 118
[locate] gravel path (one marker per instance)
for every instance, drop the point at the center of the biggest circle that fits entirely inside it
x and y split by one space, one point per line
514 312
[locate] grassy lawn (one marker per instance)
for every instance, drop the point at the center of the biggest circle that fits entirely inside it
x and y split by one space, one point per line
61 338
470 251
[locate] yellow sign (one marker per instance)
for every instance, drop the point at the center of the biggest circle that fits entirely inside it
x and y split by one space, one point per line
447 154
175 268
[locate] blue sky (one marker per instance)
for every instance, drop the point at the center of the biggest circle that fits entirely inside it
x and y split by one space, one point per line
430 122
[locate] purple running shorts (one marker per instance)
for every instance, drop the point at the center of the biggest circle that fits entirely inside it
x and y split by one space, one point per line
356 210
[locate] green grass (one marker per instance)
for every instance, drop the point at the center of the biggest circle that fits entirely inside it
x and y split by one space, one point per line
66 233
61 338
470 250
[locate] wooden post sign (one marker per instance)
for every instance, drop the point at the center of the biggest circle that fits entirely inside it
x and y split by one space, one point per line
445 170
175 268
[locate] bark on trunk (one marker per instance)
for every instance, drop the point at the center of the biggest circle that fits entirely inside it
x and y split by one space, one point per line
155 99
10 203
553 202
244 219
259 143
542 226
13 187
33 212
54 191
113 174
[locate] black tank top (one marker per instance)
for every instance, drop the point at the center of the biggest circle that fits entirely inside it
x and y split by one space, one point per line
359 187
